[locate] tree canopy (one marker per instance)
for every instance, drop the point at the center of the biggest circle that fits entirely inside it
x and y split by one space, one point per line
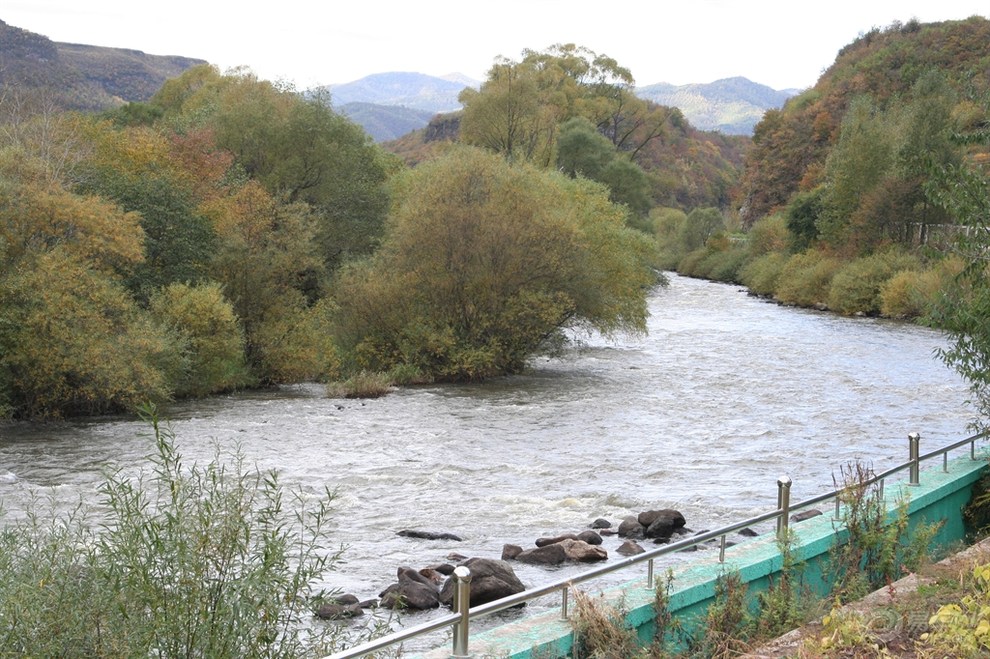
484 264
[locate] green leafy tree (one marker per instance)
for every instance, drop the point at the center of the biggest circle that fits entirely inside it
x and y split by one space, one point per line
302 151
862 158
178 241
582 150
485 263
628 184
700 225
964 307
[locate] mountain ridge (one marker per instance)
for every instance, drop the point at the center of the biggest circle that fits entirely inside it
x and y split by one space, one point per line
730 105
84 77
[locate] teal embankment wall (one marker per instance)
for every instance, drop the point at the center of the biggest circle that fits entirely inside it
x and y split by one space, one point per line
939 498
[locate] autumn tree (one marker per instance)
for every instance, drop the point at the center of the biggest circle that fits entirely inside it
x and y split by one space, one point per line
296 146
520 107
273 274
484 264
208 338
73 342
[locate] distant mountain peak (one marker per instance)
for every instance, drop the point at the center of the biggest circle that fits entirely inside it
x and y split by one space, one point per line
729 105
416 91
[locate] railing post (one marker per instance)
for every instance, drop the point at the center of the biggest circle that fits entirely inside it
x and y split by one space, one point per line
649 574
783 503
721 549
462 605
914 441
563 603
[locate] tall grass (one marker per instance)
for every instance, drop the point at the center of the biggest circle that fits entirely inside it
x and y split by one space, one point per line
214 561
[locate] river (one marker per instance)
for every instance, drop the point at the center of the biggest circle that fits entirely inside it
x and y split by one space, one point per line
725 394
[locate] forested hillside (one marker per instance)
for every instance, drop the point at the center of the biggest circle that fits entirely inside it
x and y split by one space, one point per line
868 193
935 68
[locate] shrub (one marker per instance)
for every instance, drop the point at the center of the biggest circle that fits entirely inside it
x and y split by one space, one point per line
364 384
726 265
914 293
762 273
768 235
856 288
209 330
201 561
962 629
600 630
805 278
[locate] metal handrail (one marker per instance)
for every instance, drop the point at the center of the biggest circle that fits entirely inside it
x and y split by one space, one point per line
464 613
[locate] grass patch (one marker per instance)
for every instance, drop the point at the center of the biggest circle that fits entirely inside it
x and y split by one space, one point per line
365 384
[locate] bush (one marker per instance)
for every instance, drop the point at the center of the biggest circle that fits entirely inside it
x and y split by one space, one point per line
201 561
209 330
364 384
962 629
913 293
769 234
805 278
856 288
668 224
712 262
762 273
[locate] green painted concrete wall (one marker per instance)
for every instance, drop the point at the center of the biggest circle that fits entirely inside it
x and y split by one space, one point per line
939 498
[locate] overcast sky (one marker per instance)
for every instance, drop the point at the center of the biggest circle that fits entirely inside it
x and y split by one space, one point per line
780 43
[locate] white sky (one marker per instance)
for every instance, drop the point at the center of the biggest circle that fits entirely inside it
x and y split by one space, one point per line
780 43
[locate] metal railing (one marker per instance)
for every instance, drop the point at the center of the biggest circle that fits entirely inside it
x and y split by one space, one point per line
462 613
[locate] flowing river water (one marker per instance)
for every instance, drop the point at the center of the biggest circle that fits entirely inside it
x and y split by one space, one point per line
724 394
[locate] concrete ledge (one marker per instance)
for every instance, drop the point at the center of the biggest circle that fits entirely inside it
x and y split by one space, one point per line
939 497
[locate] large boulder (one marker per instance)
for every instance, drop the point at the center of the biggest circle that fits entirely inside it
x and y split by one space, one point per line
590 537
340 607
661 523
582 552
631 528
490 580
630 548
330 611
543 542
806 514
412 591
553 554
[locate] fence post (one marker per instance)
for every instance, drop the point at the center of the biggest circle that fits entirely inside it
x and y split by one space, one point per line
914 441
783 503
462 605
